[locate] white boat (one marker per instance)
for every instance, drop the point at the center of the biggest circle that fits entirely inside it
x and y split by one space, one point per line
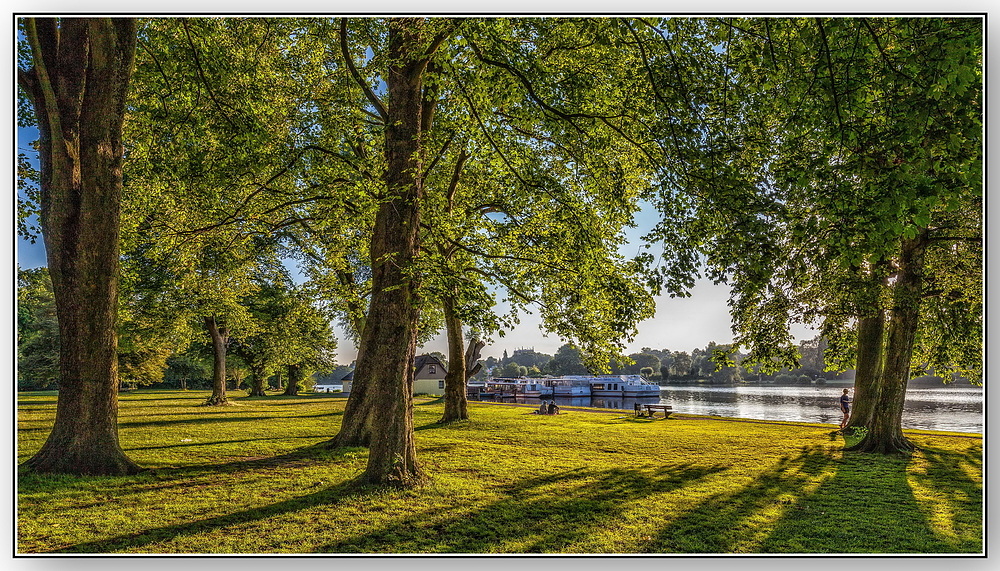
623 385
569 386
517 387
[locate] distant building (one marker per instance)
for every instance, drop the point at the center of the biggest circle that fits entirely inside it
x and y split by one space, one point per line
328 386
428 378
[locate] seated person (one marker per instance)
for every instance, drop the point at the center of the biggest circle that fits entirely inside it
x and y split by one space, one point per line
543 409
553 409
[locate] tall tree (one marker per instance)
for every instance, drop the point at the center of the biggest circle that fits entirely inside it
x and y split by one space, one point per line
511 104
850 146
77 83
221 116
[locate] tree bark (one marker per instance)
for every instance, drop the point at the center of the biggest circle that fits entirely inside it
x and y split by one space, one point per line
220 338
461 366
885 428
868 369
257 380
456 402
78 83
871 347
293 381
384 374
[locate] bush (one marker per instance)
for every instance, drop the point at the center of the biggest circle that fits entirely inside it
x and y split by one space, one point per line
784 379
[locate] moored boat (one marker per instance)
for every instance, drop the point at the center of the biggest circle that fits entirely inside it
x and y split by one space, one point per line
515 387
623 385
569 386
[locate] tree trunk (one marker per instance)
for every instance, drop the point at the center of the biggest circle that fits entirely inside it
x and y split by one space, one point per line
220 338
384 372
461 366
257 380
868 369
78 82
456 401
293 381
871 346
885 429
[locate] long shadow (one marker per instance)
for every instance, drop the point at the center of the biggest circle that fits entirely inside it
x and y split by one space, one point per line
215 418
531 516
214 442
883 515
865 505
327 496
957 499
181 476
714 526
282 400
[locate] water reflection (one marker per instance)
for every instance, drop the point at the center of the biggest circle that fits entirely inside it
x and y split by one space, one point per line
957 409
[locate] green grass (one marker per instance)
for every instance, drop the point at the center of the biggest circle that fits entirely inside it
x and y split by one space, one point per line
255 478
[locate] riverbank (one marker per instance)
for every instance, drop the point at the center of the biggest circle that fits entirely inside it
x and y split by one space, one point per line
255 478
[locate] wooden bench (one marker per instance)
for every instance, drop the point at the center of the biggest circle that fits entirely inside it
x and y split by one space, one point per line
651 408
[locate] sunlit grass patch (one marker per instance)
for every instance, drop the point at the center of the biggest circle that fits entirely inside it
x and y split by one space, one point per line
257 478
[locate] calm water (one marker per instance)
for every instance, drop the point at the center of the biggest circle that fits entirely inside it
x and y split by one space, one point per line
957 409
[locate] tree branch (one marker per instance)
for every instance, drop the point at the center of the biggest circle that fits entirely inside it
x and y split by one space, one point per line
369 94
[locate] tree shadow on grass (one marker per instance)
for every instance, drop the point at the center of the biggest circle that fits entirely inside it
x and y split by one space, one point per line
216 418
949 492
537 515
215 442
181 477
869 506
325 497
723 521
863 505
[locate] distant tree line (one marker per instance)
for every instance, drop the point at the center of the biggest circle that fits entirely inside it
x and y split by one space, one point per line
150 355
665 366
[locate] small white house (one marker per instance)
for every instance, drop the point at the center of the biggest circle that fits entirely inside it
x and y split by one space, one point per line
428 378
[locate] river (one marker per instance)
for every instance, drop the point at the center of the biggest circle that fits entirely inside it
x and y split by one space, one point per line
958 409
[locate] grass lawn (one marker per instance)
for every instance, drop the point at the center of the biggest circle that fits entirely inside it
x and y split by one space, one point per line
255 478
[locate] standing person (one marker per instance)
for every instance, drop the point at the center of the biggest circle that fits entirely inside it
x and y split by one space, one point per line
845 407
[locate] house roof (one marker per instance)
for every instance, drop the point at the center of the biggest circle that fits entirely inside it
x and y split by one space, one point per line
418 363
420 360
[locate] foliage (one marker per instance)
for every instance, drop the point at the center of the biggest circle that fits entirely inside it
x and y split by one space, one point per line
838 139
568 360
256 479
37 331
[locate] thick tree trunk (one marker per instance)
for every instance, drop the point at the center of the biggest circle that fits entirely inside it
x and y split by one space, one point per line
868 369
80 74
293 381
885 429
220 338
871 345
257 381
384 371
